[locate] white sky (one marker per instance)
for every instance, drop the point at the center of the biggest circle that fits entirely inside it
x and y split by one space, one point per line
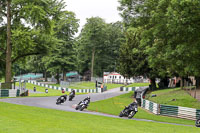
106 9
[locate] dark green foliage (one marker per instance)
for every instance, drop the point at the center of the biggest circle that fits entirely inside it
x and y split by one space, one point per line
169 35
101 39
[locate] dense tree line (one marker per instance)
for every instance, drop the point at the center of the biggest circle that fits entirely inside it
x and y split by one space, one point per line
33 28
157 39
98 45
38 36
162 38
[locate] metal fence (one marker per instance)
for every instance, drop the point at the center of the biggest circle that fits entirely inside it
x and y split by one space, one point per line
169 110
165 110
97 90
94 79
9 92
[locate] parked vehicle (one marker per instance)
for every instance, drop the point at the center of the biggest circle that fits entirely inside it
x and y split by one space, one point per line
71 95
83 104
129 111
197 123
61 99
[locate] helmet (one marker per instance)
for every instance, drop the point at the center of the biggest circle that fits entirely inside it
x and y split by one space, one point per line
88 97
135 101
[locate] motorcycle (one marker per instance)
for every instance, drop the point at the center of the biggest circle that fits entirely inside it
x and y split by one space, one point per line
129 111
82 105
61 99
197 123
71 96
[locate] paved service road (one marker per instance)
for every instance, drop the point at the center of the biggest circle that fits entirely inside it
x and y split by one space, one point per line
50 102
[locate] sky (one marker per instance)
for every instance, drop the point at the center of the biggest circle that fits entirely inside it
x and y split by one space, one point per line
106 9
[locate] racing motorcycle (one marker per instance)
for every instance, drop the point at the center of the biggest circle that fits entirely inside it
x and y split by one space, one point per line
129 111
61 99
197 123
82 105
71 96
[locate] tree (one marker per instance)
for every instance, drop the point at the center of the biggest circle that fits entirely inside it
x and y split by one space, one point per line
169 30
27 20
97 47
133 59
92 39
62 58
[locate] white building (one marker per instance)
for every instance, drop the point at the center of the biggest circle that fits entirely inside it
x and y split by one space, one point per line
115 77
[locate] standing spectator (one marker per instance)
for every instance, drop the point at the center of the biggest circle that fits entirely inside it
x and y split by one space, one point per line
34 89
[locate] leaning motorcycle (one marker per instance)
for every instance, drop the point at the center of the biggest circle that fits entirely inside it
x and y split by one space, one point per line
129 111
82 105
71 96
61 99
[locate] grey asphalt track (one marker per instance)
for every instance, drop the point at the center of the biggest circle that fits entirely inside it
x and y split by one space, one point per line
50 102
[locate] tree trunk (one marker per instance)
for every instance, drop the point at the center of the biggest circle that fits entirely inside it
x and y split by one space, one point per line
8 48
64 76
197 82
45 75
153 83
92 66
182 82
57 77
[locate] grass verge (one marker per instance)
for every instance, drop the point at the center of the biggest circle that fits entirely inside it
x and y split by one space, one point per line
51 92
138 85
89 85
23 119
116 104
176 96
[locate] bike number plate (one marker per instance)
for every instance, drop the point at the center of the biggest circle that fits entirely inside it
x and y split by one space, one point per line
135 109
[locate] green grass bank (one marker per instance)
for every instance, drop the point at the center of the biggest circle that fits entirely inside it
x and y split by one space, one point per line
23 119
175 96
116 104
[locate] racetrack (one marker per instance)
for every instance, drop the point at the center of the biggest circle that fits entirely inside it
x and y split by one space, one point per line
50 102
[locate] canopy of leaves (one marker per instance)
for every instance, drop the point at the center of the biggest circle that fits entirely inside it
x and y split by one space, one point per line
168 35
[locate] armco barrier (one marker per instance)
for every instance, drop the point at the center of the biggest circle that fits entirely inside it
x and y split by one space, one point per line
9 93
150 106
132 88
169 110
97 90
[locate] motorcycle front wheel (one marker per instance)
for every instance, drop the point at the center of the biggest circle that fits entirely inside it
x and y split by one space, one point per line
77 107
58 102
197 124
121 114
131 114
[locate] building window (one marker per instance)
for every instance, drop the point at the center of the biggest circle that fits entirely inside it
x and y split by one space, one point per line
110 77
115 77
119 77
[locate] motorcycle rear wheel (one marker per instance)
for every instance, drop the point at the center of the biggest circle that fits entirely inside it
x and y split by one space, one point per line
82 108
132 113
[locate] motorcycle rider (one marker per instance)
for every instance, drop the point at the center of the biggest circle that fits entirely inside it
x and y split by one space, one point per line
63 98
87 98
133 104
72 92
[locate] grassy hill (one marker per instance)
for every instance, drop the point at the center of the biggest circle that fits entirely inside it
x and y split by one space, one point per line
175 96
23 119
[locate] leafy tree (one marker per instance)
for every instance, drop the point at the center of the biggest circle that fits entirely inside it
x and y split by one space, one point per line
169 33
97 47
62 58
27 21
